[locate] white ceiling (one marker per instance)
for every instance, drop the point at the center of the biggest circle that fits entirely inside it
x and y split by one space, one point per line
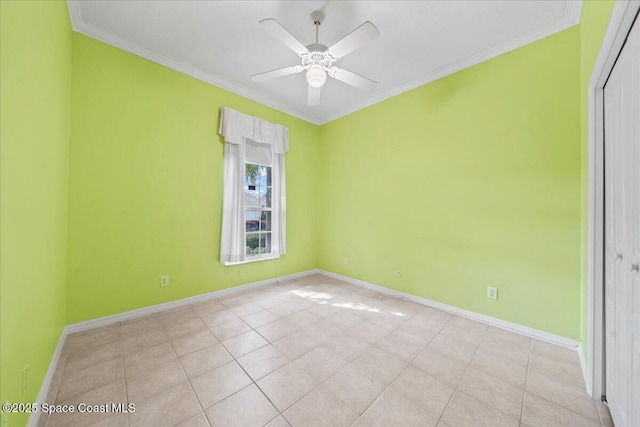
221 42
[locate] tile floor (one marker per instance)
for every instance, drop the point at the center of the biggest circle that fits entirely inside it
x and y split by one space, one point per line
318 352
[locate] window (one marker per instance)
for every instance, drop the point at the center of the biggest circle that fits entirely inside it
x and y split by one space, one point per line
257 208
253 208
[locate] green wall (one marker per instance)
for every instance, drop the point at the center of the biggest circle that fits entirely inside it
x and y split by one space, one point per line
475 180
593 24
35 83
467 182
146 185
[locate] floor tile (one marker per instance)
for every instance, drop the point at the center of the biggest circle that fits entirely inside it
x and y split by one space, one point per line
501 336
301 318
260 318
230 329
275 330
286 385
205 360
566 372
143 384
320 408
399 347
219 383
493 392
346 346
170 407
424 390
207 307
504 369
198 420
150 337
94 337
562 394
244 310
417 332
296 344
218 318
343 320
507 348
604 413
149 358
540 412
279 421
178 315
141 325
193 342
248 407
83 357
262 361
391 409
465 410
472 336
77 383
355 388
244 343
320 363
111 393
553 351
322 331
188 327
369 332
380 365
462 351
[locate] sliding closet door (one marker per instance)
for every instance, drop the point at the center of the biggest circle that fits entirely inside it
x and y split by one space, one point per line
622 234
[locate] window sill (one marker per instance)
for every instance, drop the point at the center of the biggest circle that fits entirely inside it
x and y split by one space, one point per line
252 259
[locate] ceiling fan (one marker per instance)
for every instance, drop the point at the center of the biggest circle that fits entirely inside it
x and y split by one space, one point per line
317 59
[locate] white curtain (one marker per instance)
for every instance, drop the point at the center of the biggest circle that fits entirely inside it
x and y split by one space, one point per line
250 136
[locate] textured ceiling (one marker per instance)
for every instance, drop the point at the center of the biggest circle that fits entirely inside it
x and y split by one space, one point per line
221 42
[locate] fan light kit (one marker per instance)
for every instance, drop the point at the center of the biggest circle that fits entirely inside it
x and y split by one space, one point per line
317 59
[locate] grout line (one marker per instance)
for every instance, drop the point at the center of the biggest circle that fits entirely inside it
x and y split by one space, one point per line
526 379
457 387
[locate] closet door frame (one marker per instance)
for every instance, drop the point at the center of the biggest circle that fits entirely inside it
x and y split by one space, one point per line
622 18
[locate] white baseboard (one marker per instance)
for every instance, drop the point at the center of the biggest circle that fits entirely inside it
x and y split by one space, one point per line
133 314
583 368
503 324
46 383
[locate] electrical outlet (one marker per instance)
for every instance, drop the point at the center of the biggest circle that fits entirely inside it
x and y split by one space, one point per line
346 261
492 293
164 281
25 378
399 273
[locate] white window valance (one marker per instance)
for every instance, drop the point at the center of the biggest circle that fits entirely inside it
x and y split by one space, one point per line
253 140
236 126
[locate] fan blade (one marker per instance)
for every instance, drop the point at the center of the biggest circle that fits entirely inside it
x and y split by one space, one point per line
263 77
352 79
278 31
313 96
356 38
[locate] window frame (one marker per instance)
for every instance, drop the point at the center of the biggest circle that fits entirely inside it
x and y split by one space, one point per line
259 232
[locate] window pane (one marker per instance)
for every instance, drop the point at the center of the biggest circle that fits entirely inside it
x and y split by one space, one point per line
265 221
265 243
252 174
252 245
267 176
251 197
265 201
252 220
